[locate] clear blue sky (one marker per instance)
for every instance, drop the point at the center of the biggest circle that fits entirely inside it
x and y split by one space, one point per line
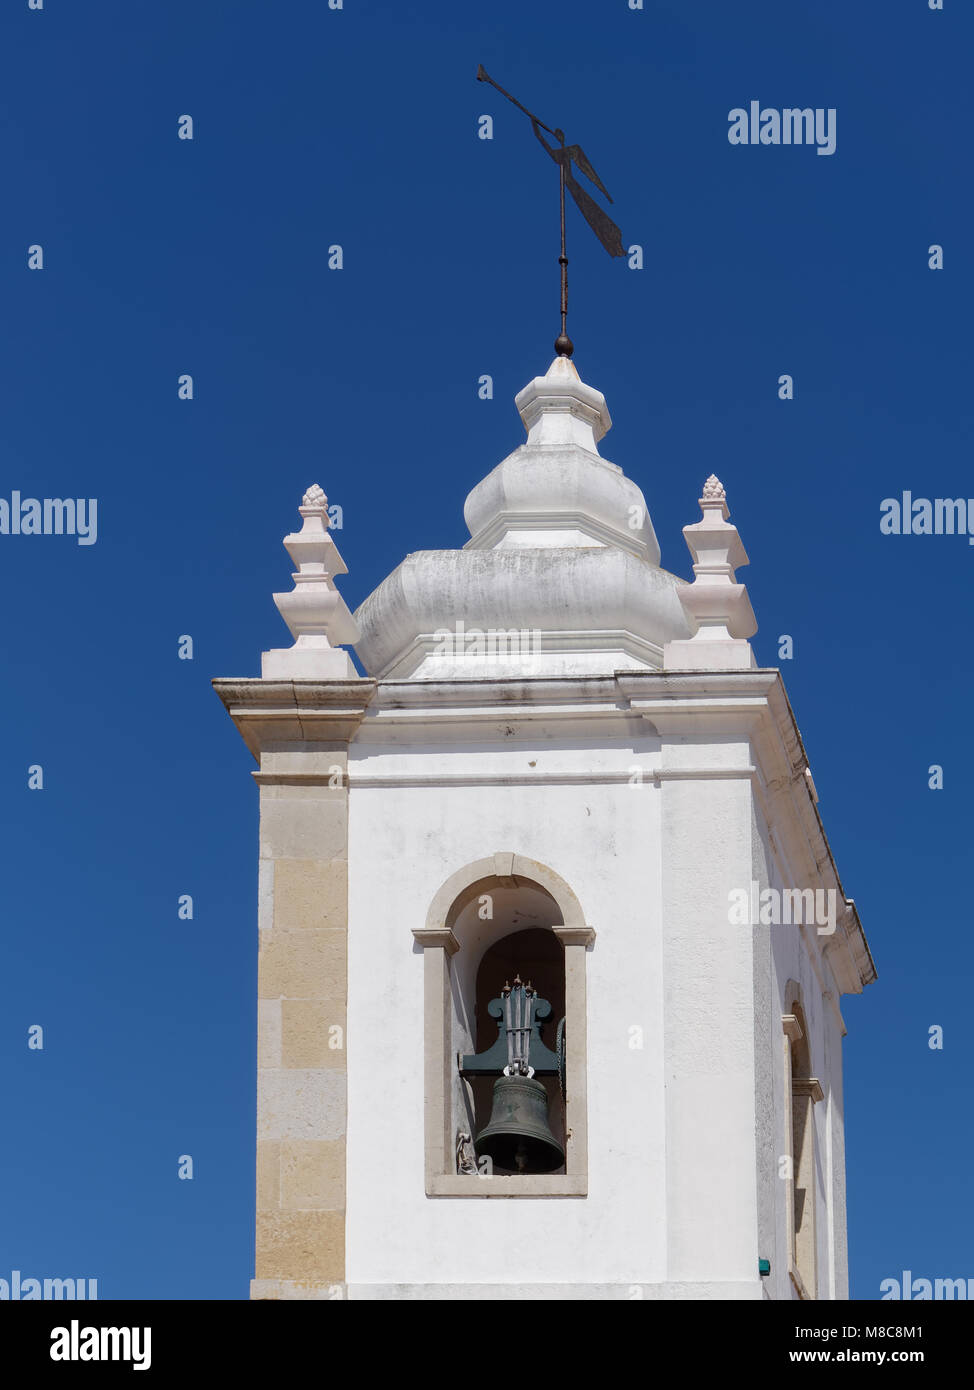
162 256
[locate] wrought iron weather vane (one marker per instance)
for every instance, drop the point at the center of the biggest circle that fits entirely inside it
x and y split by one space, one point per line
600 222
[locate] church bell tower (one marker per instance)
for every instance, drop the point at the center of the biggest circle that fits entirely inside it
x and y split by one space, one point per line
552 943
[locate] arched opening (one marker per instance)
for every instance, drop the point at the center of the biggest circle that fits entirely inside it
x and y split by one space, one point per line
504 929
493 919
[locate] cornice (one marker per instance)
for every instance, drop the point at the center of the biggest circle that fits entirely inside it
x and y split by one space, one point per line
556 519
670 704
281 715
601 778
441 938
275 715
572 644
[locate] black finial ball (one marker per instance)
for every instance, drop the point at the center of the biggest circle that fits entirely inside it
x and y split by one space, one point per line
564 346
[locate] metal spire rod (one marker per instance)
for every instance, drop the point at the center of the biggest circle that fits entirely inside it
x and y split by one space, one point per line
482 76
568 346
602 225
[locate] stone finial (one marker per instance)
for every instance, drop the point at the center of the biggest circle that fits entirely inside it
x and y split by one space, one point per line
314 610
560 409
713 489
716 605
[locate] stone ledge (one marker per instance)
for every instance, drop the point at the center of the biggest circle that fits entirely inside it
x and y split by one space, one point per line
636 1290
295 1289
528 1185
285 715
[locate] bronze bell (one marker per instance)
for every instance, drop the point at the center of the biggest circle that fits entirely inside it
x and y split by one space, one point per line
517 1136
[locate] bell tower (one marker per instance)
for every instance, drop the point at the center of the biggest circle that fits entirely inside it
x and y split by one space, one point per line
552 943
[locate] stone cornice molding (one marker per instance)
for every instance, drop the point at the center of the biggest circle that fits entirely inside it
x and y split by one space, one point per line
677 702
623 705
276 715
791 1027
575 936
556 519
809 1086
579 778
434 937
335 779
576 642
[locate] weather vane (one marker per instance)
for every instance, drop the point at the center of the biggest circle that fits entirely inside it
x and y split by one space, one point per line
600 222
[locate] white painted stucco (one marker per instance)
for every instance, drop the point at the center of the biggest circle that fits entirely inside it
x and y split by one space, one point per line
412 840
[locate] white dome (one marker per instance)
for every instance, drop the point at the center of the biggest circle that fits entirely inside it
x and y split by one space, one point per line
556 490
560 577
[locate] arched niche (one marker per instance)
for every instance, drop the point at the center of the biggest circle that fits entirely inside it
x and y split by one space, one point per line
481 906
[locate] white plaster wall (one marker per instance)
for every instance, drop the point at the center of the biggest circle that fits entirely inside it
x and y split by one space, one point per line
685 1133
784 967
672 1198
404 842
710 1107
768 1083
